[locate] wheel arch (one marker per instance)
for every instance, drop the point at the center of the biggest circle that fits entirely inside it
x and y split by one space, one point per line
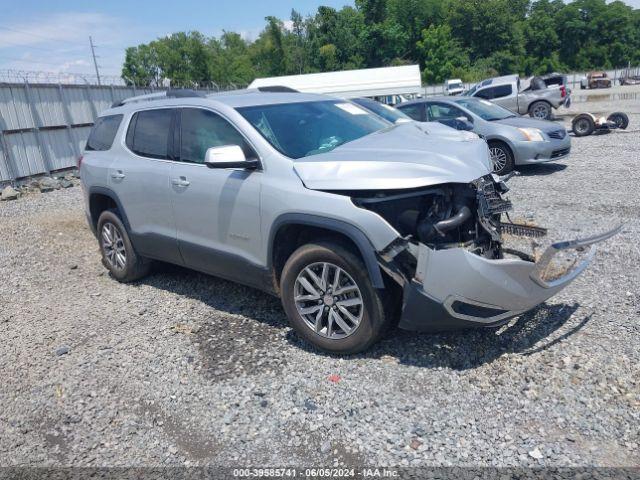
289 229
537 100
101 199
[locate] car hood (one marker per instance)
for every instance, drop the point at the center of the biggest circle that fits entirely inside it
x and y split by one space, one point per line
402 156
526 122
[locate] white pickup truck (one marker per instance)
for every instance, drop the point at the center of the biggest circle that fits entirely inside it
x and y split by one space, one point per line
523 96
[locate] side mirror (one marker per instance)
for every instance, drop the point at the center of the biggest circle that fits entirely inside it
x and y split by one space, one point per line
463 123
228 156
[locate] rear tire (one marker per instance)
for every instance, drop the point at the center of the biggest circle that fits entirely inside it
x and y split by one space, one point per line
501 157
118 254
312 303
540 110
620 119
583 125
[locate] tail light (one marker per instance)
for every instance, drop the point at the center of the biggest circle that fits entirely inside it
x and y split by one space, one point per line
563 91
79 162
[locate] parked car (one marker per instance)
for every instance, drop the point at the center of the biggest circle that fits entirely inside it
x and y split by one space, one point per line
519 97
383 110
595 80
354 222
513 140
453 87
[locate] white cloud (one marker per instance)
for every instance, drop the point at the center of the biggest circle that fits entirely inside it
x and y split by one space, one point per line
60 43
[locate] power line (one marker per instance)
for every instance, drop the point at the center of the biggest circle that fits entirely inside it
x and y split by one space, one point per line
27 46
23 60
52 39
36 35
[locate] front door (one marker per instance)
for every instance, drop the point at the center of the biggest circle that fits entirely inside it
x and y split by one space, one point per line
217 211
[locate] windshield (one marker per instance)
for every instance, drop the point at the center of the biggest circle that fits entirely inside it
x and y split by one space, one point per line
455 85
484 109
385 111
471 91
307 128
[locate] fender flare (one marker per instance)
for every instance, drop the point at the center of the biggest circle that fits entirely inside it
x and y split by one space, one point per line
111 194
354 233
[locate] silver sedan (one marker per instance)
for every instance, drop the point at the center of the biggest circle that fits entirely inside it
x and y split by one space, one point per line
513 140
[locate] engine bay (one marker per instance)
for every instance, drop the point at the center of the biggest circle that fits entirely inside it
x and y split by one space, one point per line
445 216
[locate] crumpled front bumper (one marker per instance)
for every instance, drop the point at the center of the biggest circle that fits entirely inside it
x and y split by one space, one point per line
454 288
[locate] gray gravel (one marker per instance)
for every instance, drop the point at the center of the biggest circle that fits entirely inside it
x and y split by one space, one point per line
185 369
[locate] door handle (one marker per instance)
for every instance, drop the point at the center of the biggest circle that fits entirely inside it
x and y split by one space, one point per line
180 182
118 175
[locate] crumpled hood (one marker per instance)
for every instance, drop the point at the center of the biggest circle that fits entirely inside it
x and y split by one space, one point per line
526 122
402 156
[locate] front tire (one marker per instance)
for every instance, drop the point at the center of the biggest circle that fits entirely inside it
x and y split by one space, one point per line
118 254
501 157
330 300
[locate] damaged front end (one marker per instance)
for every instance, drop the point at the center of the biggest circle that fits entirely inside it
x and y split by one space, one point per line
451 260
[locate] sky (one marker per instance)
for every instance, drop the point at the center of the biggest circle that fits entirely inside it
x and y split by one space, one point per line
53 36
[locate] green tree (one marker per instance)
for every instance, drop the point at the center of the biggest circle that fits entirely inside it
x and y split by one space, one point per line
141 66
441 54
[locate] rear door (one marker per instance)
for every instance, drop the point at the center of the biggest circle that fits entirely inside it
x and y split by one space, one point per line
140 178
217 211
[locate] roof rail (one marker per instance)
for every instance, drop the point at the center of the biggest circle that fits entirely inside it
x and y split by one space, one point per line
277 88
172 93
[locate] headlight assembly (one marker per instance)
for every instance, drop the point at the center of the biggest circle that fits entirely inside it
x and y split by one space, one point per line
532 134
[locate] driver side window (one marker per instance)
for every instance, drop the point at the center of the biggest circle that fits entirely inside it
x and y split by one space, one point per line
202 129
440 111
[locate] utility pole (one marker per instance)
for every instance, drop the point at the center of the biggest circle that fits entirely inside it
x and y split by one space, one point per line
95 63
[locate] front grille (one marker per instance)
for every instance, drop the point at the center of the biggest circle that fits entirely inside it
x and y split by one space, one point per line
558 134
560 153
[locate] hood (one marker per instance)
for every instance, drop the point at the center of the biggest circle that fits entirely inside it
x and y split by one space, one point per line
526 122
402 156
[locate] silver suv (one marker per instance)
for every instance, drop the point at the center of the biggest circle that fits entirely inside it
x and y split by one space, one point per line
356 223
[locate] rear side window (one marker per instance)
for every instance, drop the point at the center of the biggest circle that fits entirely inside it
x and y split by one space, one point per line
103 132
495 92
148 133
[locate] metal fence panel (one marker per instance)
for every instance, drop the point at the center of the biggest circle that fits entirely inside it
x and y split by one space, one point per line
80 135
48 105
4 165
23 148
14 108
80 108
58 148
101 97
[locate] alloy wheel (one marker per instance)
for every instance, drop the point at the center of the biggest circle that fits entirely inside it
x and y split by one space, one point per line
329 300
498 158
113 246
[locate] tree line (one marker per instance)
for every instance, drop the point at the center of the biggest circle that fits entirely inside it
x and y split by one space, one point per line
468 39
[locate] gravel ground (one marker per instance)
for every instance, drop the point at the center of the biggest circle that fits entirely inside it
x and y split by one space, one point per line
185 369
